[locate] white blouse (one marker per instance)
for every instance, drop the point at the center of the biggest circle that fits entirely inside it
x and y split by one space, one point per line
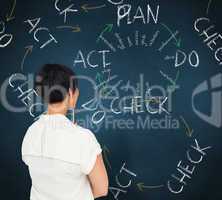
59 155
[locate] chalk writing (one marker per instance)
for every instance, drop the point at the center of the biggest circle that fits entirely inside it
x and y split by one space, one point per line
108 28
189 131
106 151
185 171
23 87
208 6
34 26
115 2
11 16
125 12
5 39
122 186
156 34
64 11
165 43
28 51
85 61
74 29
142 187
173 85
181 57
136 104
212 38
177 41
87 7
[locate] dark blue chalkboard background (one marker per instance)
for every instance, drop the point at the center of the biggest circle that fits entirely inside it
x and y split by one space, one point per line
152 154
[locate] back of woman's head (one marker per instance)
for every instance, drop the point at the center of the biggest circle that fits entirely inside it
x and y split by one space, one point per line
53 82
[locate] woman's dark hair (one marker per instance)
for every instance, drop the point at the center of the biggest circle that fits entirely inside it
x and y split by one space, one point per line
53 82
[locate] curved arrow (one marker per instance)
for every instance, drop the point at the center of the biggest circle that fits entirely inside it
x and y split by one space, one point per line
28 51
189 131
208 6
73 28
87 7
105 152
10 16
178 41
108 28
141 186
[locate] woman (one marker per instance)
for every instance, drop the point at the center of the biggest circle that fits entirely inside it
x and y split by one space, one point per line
64 159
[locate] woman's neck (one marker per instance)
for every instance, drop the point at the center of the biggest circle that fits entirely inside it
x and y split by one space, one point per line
57 108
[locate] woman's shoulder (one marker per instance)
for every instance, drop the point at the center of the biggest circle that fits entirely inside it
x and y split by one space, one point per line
83 132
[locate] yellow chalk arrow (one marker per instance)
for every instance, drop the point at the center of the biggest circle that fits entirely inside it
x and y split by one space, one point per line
74 29
189 131
105 152
141 186
10 16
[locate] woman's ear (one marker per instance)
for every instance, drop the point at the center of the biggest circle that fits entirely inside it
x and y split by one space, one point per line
73 97
76 96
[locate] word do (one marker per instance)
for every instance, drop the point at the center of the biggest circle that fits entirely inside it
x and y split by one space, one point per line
181 57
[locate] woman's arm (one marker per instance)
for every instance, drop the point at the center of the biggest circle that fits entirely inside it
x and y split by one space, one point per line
98 178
